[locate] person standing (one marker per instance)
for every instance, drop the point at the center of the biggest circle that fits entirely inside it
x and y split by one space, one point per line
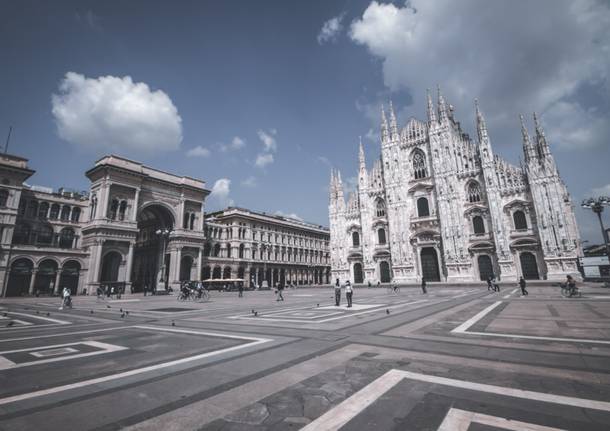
495 285
337 293
241 290
522 286
490 286
66 300
349 292
423 285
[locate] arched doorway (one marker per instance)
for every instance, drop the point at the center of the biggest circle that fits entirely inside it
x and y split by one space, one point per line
486 269
429 264
69 276
110 267
19 277
149 266
206 273
186 263
358 273
384 272
241 271
45 277
227 272
529 266
217 273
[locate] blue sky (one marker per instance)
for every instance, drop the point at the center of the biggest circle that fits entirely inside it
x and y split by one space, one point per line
261 98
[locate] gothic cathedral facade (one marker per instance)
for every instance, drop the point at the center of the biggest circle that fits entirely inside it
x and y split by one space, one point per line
441 206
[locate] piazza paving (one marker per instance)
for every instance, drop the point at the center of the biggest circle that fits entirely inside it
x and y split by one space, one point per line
457 358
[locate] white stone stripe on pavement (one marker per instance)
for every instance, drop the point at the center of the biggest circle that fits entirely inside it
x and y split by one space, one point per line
460 420
351 407
474 319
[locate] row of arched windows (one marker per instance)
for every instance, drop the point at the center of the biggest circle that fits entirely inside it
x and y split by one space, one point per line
117 210
44 210
381 237
44 236
188 221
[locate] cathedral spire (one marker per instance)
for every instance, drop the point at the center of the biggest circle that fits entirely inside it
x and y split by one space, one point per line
361 154
541 143
481 125
384 126
442 105
528 151
393 123
431 113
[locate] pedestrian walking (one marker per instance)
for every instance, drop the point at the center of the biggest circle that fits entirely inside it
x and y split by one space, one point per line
66 299
490 285
349 293
423 286
241 290
280 291
337 293
522 286
145 289
495 285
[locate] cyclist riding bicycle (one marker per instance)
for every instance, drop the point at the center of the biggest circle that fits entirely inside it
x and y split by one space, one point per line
571 284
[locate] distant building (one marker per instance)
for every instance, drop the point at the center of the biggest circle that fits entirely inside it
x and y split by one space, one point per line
141 227
265 249
441 206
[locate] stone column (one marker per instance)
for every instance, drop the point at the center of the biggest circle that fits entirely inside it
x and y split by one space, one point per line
57 288
129 267
32 281
199 264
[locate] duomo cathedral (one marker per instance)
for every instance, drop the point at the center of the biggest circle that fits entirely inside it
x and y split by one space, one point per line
442 206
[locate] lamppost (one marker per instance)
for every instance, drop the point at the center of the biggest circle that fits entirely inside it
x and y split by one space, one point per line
597 206
164 235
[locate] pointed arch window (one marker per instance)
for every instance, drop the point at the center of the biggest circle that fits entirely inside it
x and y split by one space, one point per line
419 165
380 210
355 239
474 192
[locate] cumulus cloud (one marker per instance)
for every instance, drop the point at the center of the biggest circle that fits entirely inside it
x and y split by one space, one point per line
198 151
249 182
263 160
514 56
331 29
113 114
236 143
269 146
288 215
220 192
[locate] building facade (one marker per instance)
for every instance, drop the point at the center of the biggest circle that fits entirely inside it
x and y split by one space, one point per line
139 227
265 249
442 206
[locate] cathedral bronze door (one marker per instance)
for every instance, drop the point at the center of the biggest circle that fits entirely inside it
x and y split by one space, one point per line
358 273
486 269
384 271
529 267
429 264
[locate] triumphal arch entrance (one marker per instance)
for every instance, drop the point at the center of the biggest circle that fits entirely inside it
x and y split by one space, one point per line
145 228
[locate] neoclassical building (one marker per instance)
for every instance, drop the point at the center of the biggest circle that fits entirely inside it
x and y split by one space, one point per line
265 249
440 205
138 226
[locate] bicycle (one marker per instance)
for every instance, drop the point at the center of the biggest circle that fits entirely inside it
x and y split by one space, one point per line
393 289
202 296
569 292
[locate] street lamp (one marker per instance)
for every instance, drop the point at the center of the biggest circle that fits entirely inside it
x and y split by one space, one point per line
164 235
597 206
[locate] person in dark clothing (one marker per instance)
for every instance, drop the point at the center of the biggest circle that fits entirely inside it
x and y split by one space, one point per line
423 285
240 290
490 286
280 290
522 286
349 292
337 293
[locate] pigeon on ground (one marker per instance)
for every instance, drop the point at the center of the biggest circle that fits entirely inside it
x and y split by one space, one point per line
108 306
127 312
48 314
253 311
256 314
11 323
91 311
121 310
387 311
37 312
173 324
318 305
122 315
4 314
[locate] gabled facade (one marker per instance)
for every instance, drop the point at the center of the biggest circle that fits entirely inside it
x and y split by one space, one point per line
442 206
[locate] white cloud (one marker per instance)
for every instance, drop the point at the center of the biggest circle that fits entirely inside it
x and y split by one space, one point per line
250 182
288 215
325 161
268 140
220 192
501 52
269 146
114 114
263 160
236 143
601 191
198 151
331 29
573 127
